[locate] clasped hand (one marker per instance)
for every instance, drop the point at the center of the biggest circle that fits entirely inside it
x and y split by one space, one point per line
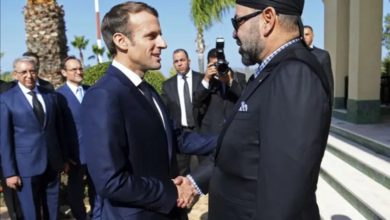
187 193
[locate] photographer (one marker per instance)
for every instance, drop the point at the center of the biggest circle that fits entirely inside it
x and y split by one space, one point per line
220 91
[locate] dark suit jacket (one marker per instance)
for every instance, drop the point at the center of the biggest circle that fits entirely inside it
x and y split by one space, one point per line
130 155
170 96
269 152
27 149
72 117
324 59
45 84
4 86
217 102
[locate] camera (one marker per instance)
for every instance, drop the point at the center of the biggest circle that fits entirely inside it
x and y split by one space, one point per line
222 65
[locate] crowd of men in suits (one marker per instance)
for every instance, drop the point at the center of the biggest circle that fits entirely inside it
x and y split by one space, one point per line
132 147
40 139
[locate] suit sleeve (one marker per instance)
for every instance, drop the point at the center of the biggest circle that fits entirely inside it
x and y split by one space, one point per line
293 135
238 85
200 96
105 140
66 129
164 93
7 149
196 143
202 173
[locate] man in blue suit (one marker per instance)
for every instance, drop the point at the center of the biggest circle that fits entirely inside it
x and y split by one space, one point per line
125 126
31 143
73 92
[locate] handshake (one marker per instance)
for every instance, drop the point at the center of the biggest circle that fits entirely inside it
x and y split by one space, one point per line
187 193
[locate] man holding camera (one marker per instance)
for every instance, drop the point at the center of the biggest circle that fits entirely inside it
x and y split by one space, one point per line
220 91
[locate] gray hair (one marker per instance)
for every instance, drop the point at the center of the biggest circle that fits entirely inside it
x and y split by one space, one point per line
25 59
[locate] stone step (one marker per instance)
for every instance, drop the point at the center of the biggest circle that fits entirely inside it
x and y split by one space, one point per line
332 205
369 197
377 147
370 163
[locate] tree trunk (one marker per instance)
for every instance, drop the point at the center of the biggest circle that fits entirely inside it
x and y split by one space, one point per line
45 36
200 50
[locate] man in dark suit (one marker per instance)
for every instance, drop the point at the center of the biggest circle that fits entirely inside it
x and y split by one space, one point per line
322 55
10 196
269 152
73 91
125 128
217 95
40 82
177 96
31 143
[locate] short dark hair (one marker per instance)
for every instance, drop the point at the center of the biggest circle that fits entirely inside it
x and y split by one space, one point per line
308 26
117 21
180 50
211 54
63 63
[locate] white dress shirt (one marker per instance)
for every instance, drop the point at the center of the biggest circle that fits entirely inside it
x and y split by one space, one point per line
29 97
180 90
136 80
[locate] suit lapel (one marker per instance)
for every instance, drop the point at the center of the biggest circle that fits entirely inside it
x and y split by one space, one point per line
24 101
175 90
70 94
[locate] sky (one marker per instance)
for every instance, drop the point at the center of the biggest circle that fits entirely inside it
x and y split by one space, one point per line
177 27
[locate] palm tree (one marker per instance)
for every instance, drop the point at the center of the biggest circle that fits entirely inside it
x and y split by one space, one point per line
98 51
203 14
80 43
45 36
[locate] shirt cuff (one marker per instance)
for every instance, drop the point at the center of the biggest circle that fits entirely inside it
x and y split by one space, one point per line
205 84
198 191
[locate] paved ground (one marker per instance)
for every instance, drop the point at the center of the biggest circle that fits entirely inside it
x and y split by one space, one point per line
198 212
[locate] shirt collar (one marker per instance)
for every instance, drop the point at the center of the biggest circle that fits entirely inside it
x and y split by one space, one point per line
273 54
72 87
134 78
188 75
26 90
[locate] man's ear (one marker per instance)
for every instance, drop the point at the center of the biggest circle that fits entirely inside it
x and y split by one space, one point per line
63 73
269 18
14 75
120 41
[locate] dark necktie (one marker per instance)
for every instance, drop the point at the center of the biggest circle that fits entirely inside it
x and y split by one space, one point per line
37 108
144 87
187 103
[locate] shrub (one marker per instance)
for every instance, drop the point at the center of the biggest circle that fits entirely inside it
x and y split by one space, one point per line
92 74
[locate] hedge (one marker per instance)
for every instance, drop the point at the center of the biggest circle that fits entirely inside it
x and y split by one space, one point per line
92 74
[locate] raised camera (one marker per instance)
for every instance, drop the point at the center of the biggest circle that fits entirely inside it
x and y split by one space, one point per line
222 65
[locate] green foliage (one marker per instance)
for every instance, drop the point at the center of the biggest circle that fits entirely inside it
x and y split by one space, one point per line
156 79
6 76
386 34
92 74
385 68
205 12
80 42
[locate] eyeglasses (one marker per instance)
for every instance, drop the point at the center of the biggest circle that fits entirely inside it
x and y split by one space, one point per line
236 22
23 73
75 69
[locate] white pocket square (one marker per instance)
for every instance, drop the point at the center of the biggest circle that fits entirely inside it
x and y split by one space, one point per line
243 107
